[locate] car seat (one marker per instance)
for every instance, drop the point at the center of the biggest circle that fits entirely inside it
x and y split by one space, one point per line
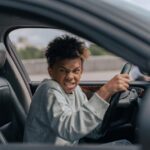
12 114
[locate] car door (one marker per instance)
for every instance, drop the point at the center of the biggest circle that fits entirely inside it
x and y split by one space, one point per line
99 32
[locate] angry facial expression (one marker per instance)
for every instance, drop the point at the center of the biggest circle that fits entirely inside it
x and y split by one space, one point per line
67 73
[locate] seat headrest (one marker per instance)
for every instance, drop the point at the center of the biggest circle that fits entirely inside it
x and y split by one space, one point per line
2 55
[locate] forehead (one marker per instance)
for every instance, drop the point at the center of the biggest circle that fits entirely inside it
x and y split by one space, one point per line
69 63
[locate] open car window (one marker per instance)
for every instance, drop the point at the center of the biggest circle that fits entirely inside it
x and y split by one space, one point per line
31 43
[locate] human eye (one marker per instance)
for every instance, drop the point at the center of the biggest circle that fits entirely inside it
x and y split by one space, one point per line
77 71
62 70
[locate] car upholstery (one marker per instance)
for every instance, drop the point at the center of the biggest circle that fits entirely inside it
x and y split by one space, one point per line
12 114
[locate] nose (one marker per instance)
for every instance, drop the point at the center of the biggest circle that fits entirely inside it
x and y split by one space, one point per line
69 76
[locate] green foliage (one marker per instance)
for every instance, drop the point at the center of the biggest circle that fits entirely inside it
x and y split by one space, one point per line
96 50
30 53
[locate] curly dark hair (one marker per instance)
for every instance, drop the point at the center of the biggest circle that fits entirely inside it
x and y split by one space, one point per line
65 47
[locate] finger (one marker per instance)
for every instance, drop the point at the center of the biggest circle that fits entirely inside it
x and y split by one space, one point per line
125 79
125 76
125 86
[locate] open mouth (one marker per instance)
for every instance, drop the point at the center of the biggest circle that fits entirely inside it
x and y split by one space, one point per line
70 86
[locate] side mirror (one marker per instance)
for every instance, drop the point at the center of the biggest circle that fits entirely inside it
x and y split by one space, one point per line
137 74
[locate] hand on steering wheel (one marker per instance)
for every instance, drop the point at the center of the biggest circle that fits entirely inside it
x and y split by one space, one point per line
113 103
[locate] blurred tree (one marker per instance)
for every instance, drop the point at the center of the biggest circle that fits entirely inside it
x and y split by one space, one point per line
96 50
31 53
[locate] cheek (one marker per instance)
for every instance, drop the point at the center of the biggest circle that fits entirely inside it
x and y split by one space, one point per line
78 77
60 78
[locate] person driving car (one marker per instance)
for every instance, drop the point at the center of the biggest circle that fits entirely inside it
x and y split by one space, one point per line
60 112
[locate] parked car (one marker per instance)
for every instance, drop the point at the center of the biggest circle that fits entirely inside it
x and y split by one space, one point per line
119 27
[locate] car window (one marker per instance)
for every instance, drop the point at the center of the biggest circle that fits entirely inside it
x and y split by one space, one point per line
30 45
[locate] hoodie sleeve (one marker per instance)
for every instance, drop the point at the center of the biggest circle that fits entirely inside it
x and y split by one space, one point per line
73 125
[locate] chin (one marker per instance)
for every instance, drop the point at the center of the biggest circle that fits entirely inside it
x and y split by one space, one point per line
69 91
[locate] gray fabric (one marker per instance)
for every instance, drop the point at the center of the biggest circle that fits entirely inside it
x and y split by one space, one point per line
59 118
2 55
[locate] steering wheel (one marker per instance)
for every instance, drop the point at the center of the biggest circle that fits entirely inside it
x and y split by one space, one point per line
113 103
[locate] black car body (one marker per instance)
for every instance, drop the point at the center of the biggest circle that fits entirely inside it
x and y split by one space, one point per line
124 31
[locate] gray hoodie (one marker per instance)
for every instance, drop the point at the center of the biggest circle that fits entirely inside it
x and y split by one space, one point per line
62 119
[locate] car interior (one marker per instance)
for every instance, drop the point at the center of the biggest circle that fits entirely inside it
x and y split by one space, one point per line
13 116
16 90
122 122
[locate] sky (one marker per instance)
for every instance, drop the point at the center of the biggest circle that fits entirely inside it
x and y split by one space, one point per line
38 37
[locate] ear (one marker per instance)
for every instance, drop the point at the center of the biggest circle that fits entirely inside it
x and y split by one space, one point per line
50 71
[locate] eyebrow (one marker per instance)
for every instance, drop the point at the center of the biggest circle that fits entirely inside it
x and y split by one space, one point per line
69 69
